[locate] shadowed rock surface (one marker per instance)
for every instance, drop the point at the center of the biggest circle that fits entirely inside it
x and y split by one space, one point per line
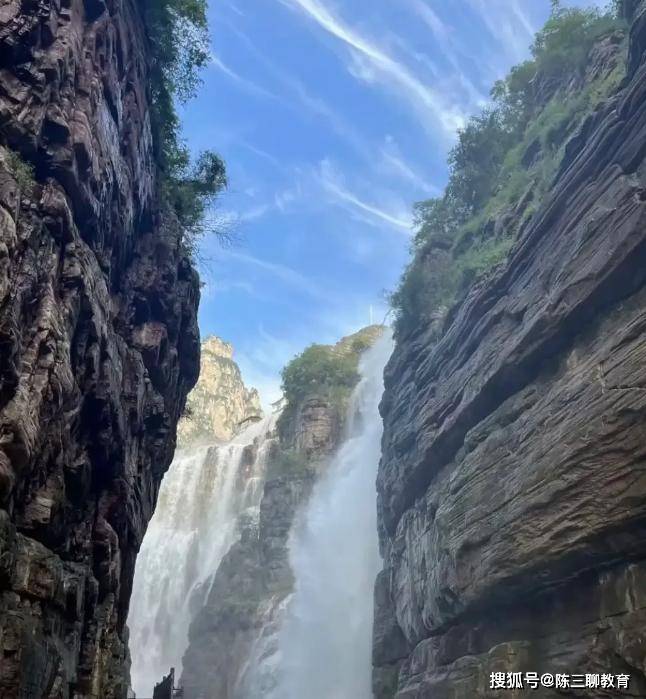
98 341
512 495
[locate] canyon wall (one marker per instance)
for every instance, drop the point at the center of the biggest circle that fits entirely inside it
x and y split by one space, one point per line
512 496
98 341
220 405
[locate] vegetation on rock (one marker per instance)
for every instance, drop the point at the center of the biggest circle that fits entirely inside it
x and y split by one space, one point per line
327 370
320 369
505 160
179 41
22 171
287 462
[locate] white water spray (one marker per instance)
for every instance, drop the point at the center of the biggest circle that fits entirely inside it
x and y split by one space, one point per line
324 645
195 523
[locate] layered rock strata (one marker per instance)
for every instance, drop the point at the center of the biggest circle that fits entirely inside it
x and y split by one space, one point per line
512 498
98 341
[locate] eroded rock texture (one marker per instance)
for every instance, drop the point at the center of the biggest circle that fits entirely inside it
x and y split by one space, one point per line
512 494
98 341
220 405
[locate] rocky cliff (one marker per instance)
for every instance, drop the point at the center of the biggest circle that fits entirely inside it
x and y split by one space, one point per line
232 640
512 497
98 341
220 405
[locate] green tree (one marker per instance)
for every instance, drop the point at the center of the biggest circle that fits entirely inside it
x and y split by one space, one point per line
196 186
475 162
179 43
503 163
319 369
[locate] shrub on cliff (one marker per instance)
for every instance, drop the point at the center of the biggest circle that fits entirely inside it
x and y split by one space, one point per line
503 163
564 43
328 371
22 171
191 191
179 42
319 370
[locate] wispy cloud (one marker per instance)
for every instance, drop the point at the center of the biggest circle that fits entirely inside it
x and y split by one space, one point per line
252 214
232 6
320 108
262 154
445 37
212 288
507 24
279 201
284 274
296 96
394 162
243 83
426 13
282 200
371 62
333 184
523 19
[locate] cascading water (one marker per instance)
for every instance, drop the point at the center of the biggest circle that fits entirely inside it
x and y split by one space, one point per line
202 497
324 645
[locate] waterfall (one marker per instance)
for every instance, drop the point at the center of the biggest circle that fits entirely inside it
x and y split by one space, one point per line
324 645
201 499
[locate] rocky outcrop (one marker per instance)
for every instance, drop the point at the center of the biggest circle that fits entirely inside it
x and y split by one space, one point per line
220 405
314 425
512 499
98 341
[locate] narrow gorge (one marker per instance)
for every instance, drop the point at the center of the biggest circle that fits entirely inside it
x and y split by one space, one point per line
223 591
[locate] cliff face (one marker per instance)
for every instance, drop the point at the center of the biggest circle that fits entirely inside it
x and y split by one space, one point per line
255 577
512 500
98 341
220 405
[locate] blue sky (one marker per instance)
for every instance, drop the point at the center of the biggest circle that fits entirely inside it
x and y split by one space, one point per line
334 117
